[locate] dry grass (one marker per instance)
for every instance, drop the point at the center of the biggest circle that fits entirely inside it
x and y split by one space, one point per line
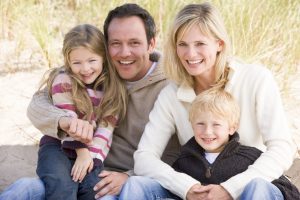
31 31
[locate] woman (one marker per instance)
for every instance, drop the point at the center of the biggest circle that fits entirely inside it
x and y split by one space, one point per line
197 59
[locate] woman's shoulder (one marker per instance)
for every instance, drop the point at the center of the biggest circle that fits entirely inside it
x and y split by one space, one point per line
249 69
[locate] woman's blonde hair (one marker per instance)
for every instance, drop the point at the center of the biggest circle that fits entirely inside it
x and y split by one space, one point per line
210 22
115 98
219 103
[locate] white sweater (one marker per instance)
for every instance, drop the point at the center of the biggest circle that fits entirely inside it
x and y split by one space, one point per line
263 124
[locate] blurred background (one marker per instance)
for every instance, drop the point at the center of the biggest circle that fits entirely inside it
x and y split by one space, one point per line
31 34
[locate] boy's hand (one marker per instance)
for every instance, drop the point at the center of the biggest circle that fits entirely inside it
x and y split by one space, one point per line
83 164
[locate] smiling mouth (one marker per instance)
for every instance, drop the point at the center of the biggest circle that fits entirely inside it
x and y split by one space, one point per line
86 75
125 62
208 140
192 62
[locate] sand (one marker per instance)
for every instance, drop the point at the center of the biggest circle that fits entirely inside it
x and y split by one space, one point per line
19 139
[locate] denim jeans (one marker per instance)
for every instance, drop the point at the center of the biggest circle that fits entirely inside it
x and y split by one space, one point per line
262 190
24 189
138 187
54 169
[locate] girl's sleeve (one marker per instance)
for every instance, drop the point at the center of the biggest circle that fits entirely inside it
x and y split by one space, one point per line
61 91
103 138
62 94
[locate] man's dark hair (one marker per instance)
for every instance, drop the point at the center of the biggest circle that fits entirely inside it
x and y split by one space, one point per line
129 10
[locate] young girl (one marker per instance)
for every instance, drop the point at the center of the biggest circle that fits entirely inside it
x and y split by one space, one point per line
88 88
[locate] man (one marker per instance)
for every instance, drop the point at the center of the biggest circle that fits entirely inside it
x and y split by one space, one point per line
130 34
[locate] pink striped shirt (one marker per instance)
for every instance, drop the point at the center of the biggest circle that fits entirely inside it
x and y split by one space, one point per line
62 98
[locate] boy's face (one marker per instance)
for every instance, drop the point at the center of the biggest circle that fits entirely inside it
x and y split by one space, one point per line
211 131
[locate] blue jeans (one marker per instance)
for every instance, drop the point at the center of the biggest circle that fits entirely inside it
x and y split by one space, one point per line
262 190
24 189
139 187
54 169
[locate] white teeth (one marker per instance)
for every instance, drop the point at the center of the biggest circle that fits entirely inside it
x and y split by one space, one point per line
194 61
208 139
126 62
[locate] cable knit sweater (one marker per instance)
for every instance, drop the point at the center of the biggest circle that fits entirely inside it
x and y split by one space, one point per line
263 125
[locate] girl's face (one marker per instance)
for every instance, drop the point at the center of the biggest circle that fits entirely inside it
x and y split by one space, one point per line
197 52
86 64
211 132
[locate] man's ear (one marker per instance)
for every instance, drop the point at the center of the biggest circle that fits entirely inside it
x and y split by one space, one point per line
152 44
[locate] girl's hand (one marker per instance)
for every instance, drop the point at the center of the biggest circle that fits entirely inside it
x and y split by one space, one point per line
83 164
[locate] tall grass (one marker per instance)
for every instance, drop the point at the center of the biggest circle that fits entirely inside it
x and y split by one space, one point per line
264 31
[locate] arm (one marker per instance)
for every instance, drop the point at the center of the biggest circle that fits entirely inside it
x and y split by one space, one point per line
48 119
102 140
44 115
83 164
273 128
167 117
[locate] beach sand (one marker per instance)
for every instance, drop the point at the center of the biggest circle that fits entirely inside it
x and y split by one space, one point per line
19 139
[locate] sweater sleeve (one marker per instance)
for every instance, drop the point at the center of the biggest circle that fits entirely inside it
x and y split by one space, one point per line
102 141
157 133
44 115
273 128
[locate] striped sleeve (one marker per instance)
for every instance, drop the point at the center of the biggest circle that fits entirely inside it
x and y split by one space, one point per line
102 141
61 94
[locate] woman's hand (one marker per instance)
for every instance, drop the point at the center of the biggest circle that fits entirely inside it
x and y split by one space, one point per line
196 193
83 164
215 192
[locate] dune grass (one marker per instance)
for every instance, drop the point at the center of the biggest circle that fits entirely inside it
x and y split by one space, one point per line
264 31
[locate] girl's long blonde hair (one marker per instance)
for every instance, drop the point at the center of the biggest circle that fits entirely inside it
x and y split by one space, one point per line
115 98
210 22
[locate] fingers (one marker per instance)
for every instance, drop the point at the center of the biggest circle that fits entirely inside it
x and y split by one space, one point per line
91 167
81 130
111 183
104 173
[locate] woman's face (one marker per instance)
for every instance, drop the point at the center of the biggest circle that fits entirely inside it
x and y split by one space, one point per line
197 52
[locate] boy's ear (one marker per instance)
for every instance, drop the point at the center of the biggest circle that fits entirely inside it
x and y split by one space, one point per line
232 129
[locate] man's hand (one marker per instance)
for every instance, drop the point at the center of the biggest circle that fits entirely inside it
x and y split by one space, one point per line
195 193
215 192
110 184
83 164
78 129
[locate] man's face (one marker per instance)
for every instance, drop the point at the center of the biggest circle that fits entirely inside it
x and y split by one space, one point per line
128 47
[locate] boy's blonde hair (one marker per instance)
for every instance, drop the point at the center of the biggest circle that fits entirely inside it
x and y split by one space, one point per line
115 98
219 103
211 24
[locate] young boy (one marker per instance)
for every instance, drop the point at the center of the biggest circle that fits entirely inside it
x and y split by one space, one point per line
214 154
